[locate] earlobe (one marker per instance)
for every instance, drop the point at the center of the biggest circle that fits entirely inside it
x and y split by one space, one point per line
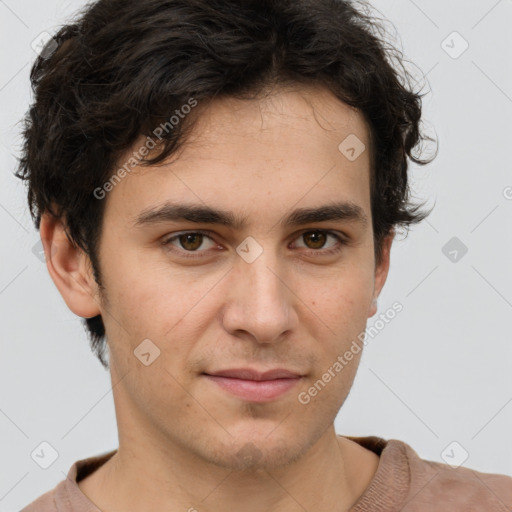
381 271
69 268
373 307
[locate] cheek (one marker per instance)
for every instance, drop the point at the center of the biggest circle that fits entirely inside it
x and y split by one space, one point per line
341 300
152 298
175 310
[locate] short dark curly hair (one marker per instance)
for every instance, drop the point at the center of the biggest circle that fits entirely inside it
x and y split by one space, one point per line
122 67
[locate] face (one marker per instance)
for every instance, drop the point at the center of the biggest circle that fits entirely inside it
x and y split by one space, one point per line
252 283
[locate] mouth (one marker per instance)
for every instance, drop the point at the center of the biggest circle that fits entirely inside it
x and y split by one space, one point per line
253 386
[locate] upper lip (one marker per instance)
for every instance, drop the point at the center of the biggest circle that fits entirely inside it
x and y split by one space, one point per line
250 374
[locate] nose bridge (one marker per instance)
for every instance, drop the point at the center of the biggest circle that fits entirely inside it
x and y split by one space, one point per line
263 279
260 301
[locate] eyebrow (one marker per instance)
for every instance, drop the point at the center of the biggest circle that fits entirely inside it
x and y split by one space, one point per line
200 214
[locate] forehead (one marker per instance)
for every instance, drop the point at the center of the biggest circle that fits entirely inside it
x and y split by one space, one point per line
288 111
287 147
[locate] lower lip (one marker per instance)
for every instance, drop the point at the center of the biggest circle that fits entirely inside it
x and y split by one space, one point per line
255 390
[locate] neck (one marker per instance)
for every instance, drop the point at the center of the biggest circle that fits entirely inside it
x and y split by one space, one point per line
330 476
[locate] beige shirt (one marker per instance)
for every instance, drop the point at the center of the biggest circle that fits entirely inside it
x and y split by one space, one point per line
403 482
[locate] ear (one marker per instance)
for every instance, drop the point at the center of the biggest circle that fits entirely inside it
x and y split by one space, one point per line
381 271
70 268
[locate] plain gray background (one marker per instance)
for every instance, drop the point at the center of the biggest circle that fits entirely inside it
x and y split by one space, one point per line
439 372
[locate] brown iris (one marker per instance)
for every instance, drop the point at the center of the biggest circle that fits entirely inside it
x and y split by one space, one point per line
191 241
317 238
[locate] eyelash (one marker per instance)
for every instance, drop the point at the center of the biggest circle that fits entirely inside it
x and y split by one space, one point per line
198 254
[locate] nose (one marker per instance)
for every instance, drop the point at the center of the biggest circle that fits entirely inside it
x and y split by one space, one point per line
259 301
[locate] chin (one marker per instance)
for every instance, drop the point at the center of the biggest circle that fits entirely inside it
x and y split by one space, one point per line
256 450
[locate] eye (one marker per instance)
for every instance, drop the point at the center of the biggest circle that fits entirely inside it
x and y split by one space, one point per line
194 244
316 239
190 241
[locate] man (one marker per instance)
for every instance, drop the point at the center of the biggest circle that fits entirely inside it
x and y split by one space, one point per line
217 185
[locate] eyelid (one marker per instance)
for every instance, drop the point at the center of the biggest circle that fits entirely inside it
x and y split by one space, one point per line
166 241
340 237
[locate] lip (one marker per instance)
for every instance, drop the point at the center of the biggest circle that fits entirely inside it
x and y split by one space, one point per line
254 386
251 374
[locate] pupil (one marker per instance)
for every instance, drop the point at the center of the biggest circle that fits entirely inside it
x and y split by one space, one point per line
187 241
318 239
193 241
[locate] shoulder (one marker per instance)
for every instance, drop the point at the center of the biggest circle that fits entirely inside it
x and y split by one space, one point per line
66 495
45 502
460 488
406 482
